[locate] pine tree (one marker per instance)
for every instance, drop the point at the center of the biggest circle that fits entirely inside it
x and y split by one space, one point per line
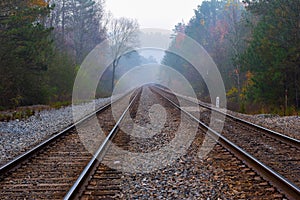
25 49
273 53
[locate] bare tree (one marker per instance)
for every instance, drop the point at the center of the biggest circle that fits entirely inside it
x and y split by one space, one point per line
123 34
78 26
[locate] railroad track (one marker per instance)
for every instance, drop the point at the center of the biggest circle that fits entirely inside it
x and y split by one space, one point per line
98 180
273 155
169 168
50 169
221 170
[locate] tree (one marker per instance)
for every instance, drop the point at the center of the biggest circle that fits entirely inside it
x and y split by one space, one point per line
235 37
215 26
123 38
180 64
25 50
78 26
43 41
273 52
86 28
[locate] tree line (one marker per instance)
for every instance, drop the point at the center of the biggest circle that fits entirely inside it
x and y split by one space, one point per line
256 46
43 43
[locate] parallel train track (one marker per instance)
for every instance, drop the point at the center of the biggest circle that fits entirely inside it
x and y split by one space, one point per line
101 182
66 169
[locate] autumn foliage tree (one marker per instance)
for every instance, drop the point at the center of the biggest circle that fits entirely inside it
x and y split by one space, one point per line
215 26
273 53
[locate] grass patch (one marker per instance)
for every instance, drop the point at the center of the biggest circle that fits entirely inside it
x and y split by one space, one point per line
60 104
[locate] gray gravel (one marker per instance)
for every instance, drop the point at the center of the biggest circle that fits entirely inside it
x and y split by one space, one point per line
217 175
16 136
287 125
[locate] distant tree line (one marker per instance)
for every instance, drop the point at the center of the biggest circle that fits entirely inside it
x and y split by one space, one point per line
256 46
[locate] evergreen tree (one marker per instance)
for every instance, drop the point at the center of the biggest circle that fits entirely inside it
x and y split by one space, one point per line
24 52
273 53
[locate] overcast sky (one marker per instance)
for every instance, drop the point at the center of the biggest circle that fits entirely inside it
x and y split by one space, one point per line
163 14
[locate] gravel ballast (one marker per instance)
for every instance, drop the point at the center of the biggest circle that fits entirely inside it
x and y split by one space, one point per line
19 135
288 125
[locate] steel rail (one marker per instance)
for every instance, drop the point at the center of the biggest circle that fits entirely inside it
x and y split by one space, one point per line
282 183
271 133
97 157
16 161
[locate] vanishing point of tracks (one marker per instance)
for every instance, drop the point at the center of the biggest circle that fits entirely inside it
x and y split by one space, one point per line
64 168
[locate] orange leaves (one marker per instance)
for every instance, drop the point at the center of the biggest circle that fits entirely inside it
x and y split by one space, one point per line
249 76
249 79
247 85
39 3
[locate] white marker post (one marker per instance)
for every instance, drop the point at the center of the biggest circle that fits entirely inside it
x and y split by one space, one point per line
218 102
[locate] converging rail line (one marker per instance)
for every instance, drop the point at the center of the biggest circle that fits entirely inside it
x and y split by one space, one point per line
102 182
274 155
51 168
96 170
162 162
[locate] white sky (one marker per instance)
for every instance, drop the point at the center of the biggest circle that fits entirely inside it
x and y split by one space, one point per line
163 14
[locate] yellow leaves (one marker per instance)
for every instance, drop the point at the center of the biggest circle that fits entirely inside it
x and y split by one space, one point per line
231 3
248 83
40 3
249 75
232 92
242 94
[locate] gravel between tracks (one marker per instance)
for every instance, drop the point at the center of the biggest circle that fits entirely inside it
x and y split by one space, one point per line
217 175
17 136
